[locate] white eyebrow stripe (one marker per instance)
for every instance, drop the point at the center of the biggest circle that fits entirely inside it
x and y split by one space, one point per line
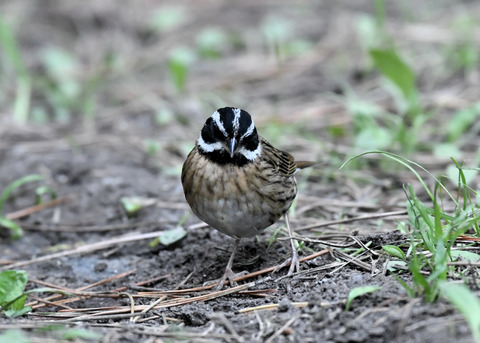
249 131
236 119
208 147
216 119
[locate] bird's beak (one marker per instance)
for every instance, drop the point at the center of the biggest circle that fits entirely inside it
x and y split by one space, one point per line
231 146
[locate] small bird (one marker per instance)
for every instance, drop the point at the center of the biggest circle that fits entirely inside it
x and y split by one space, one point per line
237 182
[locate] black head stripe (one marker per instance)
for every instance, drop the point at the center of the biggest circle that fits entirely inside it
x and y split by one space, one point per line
224 124
211 133
227 117
244 123
251 141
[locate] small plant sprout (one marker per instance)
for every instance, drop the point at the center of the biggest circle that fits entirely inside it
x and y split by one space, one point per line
4 221
12 288
169 237
280 38
358 291
179 63
211 42
168 18
134 204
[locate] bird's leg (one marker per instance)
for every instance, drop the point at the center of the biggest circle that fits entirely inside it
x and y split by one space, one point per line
228 271
293 261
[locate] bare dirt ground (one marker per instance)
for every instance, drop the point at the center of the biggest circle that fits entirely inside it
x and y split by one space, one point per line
131 146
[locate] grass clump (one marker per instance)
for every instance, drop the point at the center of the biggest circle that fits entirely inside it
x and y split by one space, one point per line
435 238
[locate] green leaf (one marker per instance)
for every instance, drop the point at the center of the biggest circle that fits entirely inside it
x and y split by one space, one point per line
392 265
78 333
398 72
44 190
466 302
178 66
394 251
211 41
12 226
368 31
465 255
10 336
373 137
277 29
469 174
358 291
134 204
168 18
445 150
461 121
60 64
18 313
172 236
12 286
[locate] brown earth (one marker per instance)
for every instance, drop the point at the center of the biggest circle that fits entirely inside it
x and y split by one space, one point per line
93 163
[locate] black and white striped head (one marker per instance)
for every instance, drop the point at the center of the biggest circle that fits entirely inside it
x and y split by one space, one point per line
229 136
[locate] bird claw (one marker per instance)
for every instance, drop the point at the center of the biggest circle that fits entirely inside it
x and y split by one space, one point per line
293 262
230 276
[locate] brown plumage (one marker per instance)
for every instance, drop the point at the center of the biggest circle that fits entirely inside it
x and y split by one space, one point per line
239 192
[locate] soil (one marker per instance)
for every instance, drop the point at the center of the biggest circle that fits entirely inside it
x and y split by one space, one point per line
92 163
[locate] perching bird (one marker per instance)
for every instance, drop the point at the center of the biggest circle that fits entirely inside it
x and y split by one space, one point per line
237 182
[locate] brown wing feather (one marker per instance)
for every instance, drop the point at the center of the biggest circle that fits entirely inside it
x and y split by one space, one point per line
283 161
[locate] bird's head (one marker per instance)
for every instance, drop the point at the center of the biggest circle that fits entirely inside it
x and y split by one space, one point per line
229 136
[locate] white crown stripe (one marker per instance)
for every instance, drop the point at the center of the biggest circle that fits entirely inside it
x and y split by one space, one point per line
218 122
249 131
236 120
220 146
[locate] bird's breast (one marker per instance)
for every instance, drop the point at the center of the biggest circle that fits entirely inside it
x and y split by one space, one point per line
237 201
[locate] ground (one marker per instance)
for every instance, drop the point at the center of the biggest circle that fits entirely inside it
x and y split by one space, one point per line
111 117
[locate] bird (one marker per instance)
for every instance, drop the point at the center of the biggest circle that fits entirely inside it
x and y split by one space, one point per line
238 183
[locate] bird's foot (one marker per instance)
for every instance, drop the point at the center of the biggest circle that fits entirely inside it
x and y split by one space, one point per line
230 276
294 263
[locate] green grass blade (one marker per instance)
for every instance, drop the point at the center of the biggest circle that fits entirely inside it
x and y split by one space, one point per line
466 302
358 291
22 99
408 164
440 267
10 47
12 53
15 184
437 216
